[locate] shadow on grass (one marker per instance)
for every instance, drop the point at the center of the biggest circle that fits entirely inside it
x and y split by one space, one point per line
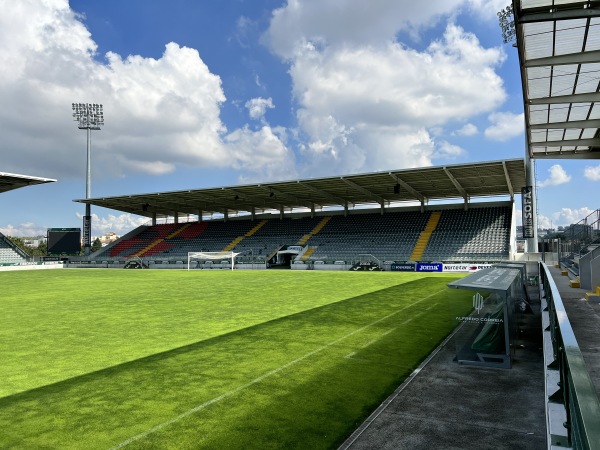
308 380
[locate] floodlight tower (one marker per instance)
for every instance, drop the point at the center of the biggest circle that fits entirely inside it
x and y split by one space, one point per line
89 116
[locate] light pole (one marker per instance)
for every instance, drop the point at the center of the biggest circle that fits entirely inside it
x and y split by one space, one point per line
89 116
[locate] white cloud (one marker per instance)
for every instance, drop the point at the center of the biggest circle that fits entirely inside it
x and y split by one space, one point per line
488 9
505 126
257 107
349 22
543 222
592 173
568 216
564 217
27 229
261 153
359 116
557 176
467 130
448 151
159 113
365 101
120 224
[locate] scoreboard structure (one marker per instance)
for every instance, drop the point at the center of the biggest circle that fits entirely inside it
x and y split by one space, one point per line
64 241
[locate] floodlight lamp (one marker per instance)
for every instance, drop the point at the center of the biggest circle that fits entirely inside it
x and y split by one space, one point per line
89 115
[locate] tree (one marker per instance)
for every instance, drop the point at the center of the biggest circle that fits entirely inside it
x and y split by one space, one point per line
96 245
40 250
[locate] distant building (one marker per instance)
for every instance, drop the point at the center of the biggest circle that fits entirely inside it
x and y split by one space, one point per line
109 237
34 242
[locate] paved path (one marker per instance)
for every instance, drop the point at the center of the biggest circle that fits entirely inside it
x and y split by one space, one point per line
449 406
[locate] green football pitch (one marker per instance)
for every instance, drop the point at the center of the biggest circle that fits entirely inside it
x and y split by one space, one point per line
207 359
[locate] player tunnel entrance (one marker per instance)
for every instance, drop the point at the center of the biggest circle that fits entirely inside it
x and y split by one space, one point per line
284 257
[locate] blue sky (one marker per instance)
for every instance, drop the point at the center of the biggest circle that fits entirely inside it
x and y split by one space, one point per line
215 93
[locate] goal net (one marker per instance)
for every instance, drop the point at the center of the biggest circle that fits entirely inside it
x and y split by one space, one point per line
212 256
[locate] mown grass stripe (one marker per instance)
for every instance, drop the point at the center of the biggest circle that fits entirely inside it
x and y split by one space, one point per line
86 320
232 392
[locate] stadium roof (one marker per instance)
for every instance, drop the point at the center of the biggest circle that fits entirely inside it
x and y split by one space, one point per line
10 181
559 52
380 189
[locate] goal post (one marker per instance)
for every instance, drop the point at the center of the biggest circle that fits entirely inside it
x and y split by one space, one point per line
211 256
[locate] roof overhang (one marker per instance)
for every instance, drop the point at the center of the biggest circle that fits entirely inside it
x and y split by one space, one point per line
10 181
377 189
559 53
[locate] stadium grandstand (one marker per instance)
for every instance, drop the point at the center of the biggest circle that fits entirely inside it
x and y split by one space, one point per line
9 252
456 214
335 221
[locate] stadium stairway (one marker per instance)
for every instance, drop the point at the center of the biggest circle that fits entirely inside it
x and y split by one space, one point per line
315 230
10 252
160 242
306 255
593 296
423 240
239 239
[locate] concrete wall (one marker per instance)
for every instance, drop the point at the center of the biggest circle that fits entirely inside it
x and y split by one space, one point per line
528 256
46 266
589 269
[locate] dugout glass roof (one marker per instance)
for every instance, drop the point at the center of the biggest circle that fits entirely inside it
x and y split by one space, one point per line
559 52
376 189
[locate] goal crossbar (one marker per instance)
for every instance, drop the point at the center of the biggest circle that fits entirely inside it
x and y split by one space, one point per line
211 256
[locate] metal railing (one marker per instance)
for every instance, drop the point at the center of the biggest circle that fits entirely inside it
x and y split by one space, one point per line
575 396
585 231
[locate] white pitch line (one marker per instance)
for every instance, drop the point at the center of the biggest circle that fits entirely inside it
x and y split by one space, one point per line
197 408
391 329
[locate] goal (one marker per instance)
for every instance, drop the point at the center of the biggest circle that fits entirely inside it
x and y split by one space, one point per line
211 256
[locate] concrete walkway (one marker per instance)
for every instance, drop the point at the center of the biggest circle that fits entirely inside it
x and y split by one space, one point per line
585 320
445 405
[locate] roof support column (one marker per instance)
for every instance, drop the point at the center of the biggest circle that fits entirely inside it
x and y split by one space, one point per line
154 218
312 210
253 213
281 212
532 246
176 217
225 215
423 205
200 215
345 208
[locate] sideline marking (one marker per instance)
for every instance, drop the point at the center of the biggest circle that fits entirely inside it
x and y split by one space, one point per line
197 408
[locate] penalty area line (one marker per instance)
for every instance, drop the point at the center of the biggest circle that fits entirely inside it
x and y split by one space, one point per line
227 394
